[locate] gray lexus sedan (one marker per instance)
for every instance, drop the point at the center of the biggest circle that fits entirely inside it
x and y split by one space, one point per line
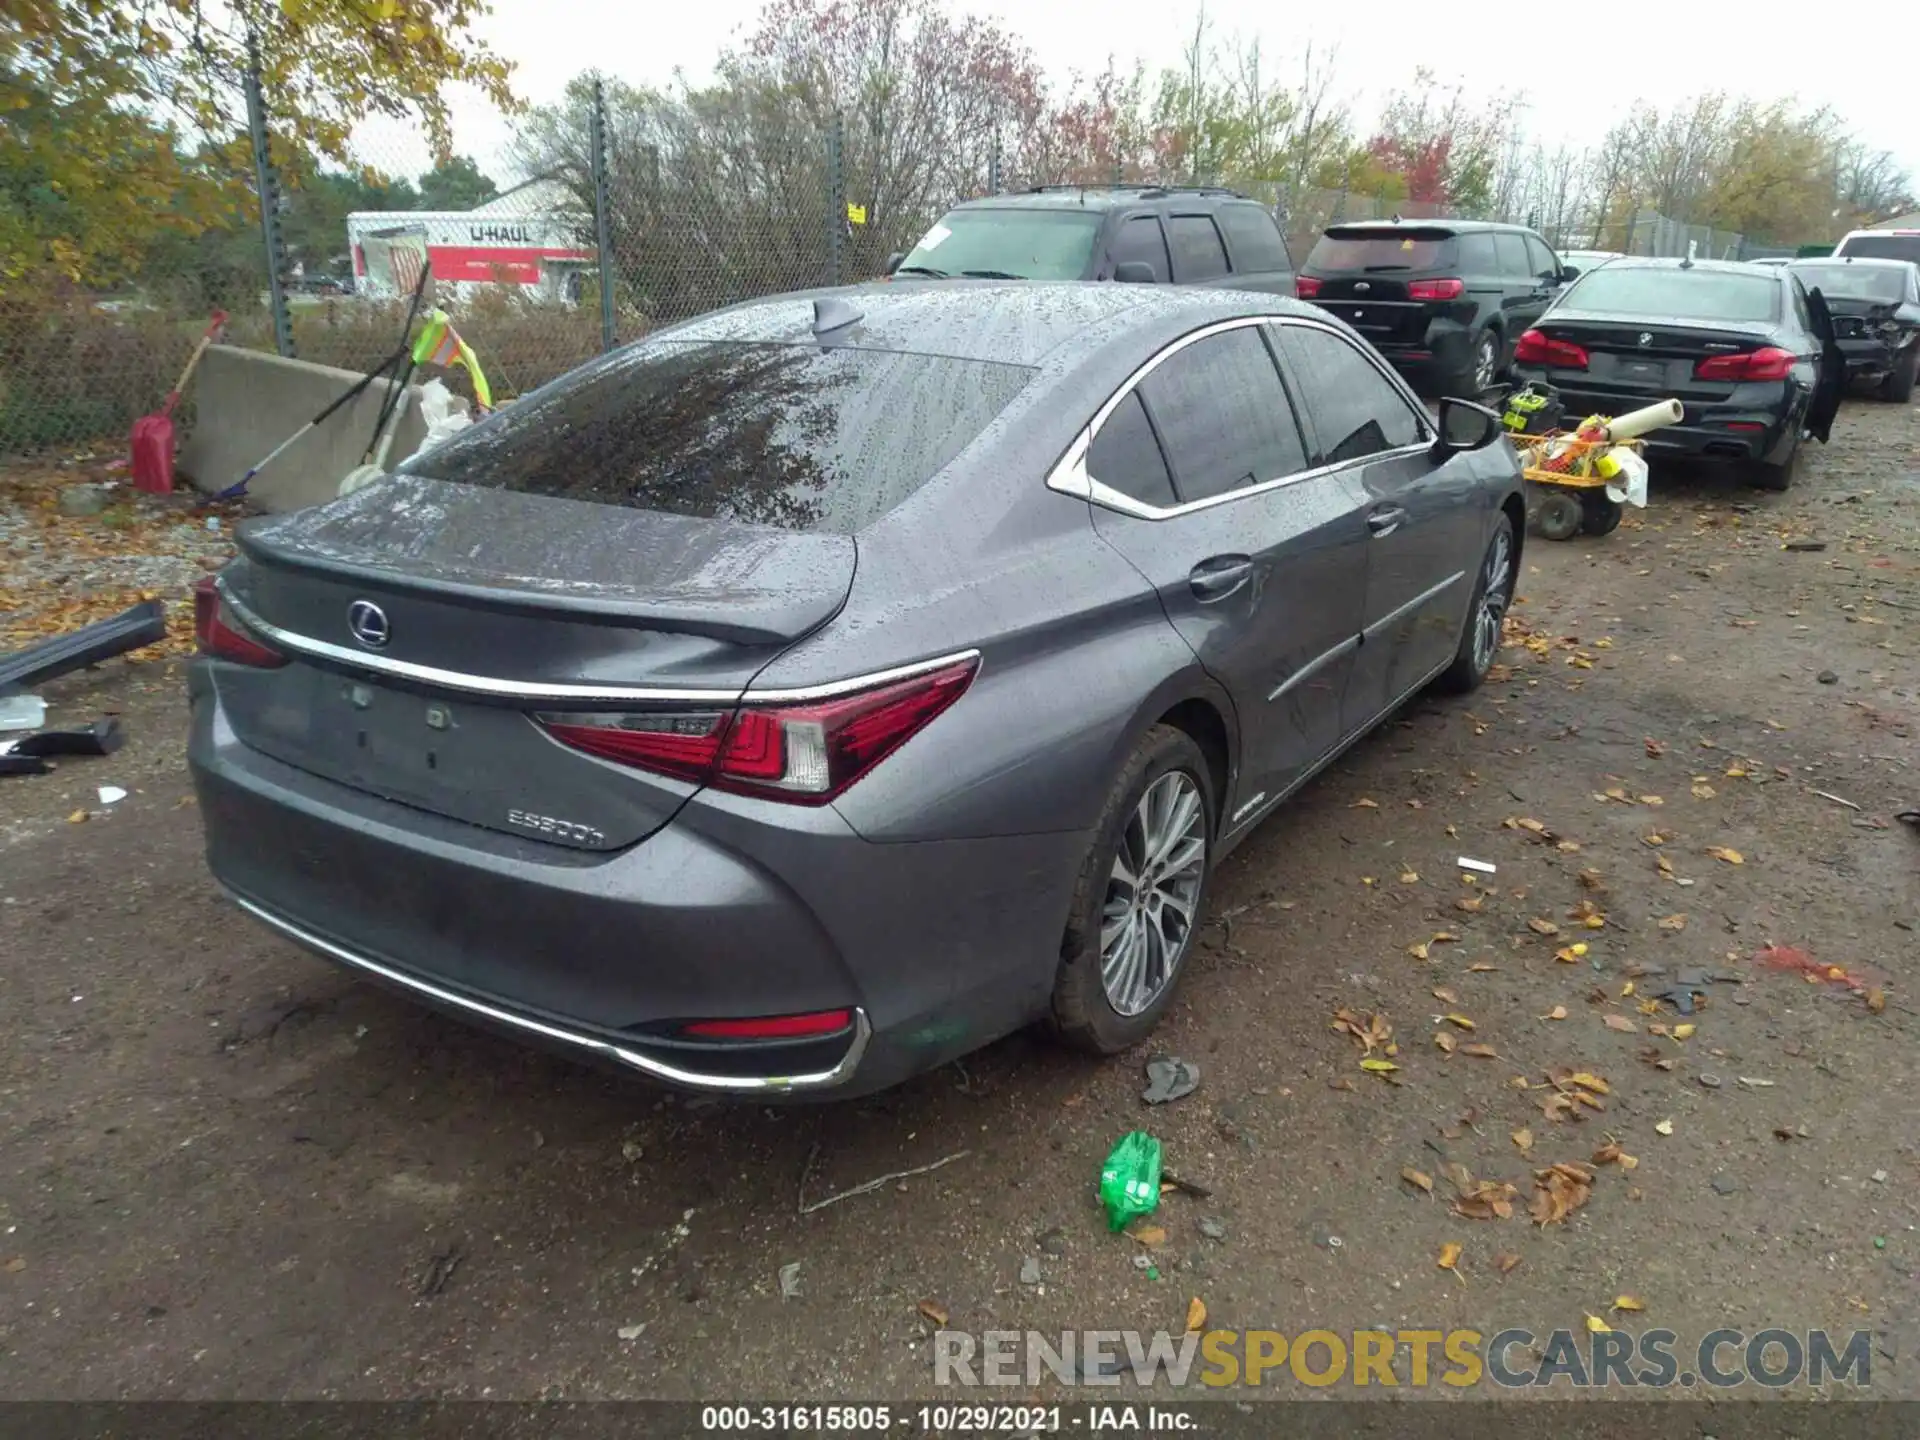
813 692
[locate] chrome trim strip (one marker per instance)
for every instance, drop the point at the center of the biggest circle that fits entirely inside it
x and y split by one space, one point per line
537 690
1315 666
632 1059
1400 612
1070 476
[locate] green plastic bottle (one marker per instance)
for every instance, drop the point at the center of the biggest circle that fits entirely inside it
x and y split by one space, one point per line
1130 1180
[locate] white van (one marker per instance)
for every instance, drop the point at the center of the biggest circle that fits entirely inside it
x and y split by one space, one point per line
1881 245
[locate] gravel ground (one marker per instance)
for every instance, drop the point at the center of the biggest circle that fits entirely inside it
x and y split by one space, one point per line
231 1171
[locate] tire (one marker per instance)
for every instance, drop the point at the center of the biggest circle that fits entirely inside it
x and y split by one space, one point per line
1599 513
1474 375
1762 476
1480 637
1085 1014
1898 386
1558 516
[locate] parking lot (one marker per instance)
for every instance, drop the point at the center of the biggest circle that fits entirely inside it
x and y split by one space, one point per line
230 1170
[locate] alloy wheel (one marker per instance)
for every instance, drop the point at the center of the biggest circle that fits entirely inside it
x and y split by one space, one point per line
1484 363
1153 891
1496 591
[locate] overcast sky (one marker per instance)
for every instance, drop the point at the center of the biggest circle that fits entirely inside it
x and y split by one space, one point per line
1688 49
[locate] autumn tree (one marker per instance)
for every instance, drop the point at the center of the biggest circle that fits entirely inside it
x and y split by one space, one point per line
103 105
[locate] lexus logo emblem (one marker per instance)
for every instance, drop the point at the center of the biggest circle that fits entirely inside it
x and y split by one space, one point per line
368 622
1361 285
1645 338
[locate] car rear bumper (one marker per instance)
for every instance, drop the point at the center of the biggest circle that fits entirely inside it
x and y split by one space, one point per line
933 948
1867 357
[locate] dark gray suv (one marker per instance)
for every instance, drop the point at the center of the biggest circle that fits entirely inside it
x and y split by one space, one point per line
1148 234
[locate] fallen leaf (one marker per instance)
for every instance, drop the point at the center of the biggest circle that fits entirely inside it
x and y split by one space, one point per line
1683 1032
1571 954
1620 1302
1364 805
1469 903
1506 1260
1151 1236
1417 1178
1876 1001
1409 877
1373 1033
1485 1200
1450 1260
1597 1326
1443 1041
1664 1127
1674 922
1619 1022
1543 927
936 1313
1703 791
1652 800
1483 1052
1418 952
1523 1139
1379 1067
1721 852
1616 793
1480 967
1592 880
1654 748
1196 1315
1445 994
1459 1022
1586 1080
1568 847
1442 937
1559 1190
1626 990
77 817
1655 839
1559 1012
1666 865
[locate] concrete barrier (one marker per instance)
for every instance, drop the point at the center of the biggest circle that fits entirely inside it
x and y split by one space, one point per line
248 401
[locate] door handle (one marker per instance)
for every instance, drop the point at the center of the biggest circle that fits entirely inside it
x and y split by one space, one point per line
1385 520
1219 577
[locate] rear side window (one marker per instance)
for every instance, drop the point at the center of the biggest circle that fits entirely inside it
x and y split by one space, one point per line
1254 238
1512 251
1352 408
1126 456
792 436
1139 238
1477 256
1349 249
1670 292
1197 251
1223 416
1540 259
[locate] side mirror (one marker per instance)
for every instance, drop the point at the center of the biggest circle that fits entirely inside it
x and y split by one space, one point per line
894 260
1569 273
1463 426
1136 272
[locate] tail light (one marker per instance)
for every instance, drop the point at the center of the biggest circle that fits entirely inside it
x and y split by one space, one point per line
1536 348
221 636
1448 289
805 754
773 1027
1768 363
1305 286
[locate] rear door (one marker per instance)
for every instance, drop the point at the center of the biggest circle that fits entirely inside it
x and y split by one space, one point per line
1546 274
1825 404
1256 248
1423 522
1522 299
1259 561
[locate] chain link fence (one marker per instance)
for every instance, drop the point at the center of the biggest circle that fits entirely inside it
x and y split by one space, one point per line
613 231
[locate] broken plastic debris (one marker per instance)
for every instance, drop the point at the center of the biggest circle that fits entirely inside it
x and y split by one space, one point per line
1468 863
1130 1180
22 712
790 1280
111 794
1170 1078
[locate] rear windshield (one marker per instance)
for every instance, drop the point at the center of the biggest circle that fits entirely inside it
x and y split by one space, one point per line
1882 247
1854 282
1673 293
787 435
1374 250
1010 243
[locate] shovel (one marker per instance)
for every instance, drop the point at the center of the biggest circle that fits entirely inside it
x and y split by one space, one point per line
152 440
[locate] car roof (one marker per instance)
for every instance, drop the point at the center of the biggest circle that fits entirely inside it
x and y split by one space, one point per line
1100 197
1865 262
1019 322
1668 262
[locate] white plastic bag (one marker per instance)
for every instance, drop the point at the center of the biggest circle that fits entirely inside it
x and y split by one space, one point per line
1630 486
445 413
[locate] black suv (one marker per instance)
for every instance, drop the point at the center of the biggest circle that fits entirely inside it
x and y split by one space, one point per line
1148 234
1443 300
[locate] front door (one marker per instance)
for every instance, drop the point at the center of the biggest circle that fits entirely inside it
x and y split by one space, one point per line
1260 565
1825 404
1422 520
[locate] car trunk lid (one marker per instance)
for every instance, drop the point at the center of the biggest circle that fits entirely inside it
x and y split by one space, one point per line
1635 355
492 605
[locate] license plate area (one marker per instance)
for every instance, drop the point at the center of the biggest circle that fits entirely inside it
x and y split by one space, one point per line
1654 370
